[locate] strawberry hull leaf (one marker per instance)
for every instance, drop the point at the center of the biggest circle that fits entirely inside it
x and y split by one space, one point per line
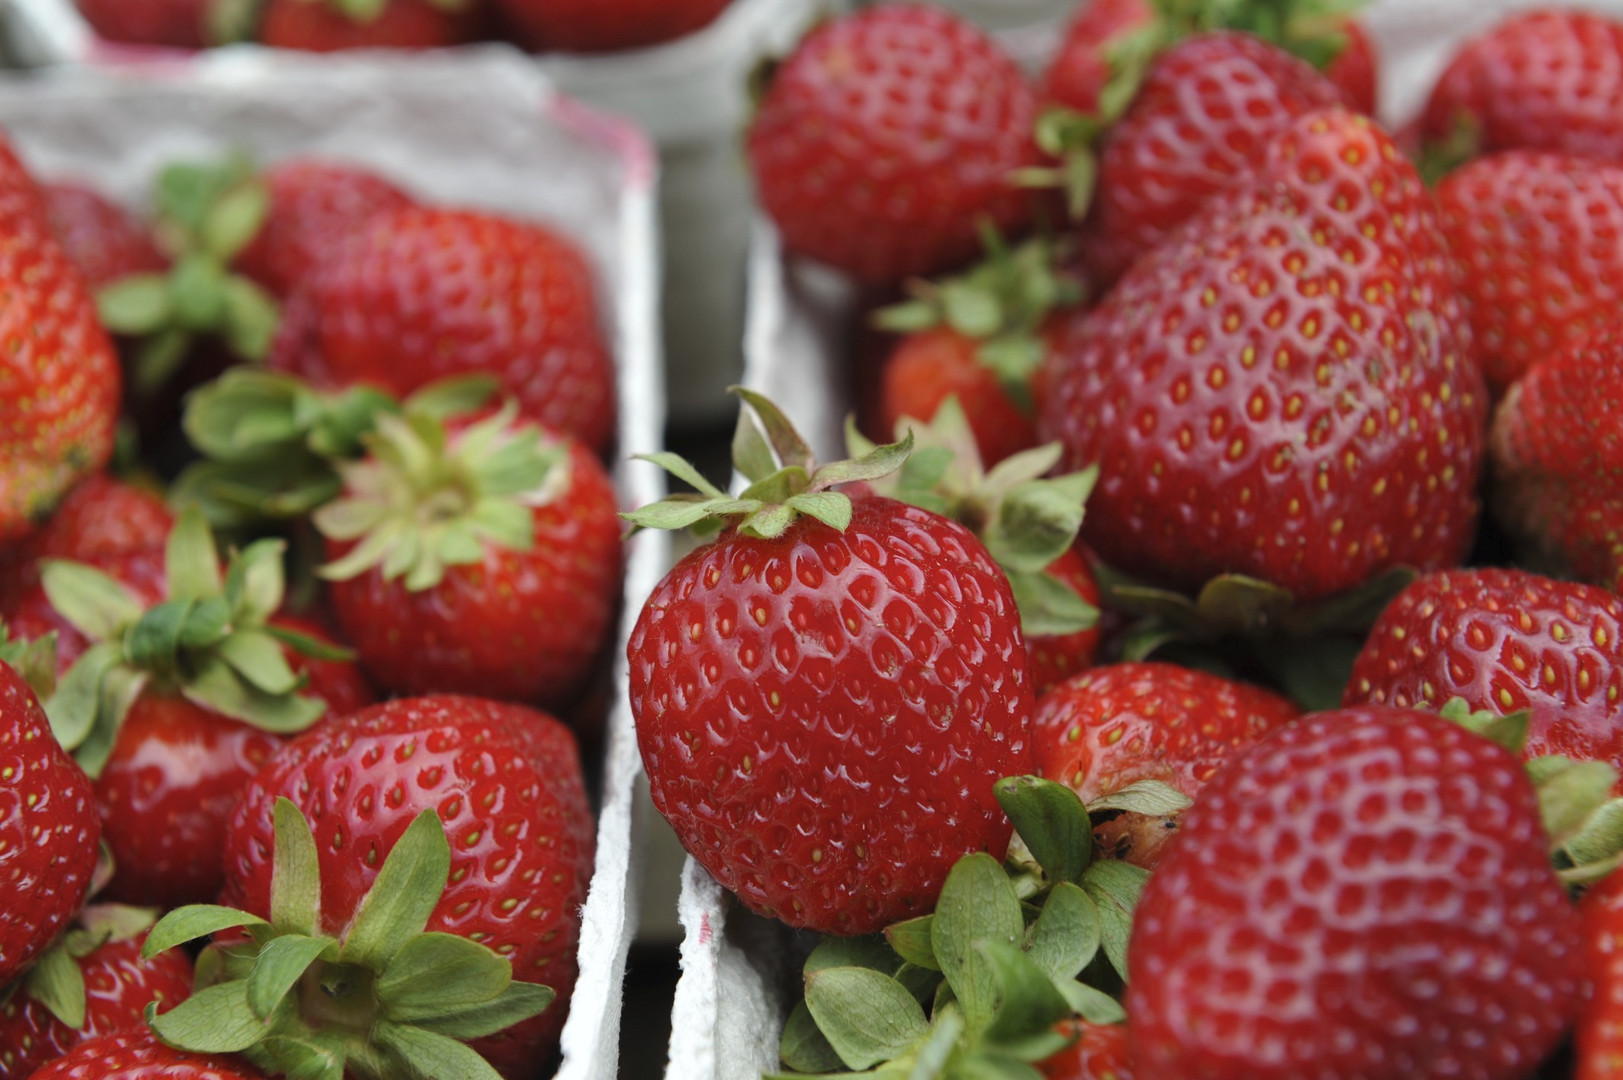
866 1016
1067 934
911 940
977 905
1052 822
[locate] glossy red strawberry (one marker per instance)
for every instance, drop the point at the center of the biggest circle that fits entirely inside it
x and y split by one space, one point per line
1367 893
1261 395
886 139
312 204
606 25
48 828
824 705
1099 1053
422 294
1057 656
323 25
1557 450
1534 238
118 984
484 561
1104 729
59 387
1547 79
1504 640
1599 1036
929 367
137 1054
1205 115
181 24
506 782
102 240
99 520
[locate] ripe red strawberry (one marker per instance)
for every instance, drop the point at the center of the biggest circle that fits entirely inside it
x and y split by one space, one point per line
102 240
483 561
826 694
30 614
1057 656
1354 68
928 367
1538 80
1504 640
48 825
59 385
606 25
886 139
100 519
421 294
506 782
137 1054
1534 238
1557 450
1104 729
1599 1037
311 204
1207 111
1099 1053
181 24
1261 395
118 983
1366 893
1082 67
325 25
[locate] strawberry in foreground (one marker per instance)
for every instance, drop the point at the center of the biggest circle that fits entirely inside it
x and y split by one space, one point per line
1368 894
606 25
1299 423
1557 450
94 982
825 695
137 1054
48 826
889 137
397 945
1599 1037
1502 641
1105 729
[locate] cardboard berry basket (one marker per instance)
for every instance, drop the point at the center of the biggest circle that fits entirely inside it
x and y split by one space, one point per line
691 96
482 129
741 973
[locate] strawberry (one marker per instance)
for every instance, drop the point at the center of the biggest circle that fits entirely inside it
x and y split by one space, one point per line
180 24
100 519
1534 238
589 26
484 559
1366 893
1083 65
1263 395
111 984
1544 79
1207 110
1099 1052
1354 68
48 826
1055 656
888 137
825 695
420 294
31 615
470 816
1599 1036
59 386
1504 640
331 25
1102 730
310 203
932 365
103 241
137 1054
1557 450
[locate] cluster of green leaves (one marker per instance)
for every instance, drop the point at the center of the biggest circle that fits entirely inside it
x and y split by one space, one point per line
389 1000
974 990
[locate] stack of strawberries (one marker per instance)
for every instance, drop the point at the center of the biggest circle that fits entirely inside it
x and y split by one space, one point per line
1297 754
295 713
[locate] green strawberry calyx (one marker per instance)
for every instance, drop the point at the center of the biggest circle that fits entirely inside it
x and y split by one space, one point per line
33 659
271 444
385 998
210 640
425 498
784 481
977 987
1002 303
1025 519
56 980
207 214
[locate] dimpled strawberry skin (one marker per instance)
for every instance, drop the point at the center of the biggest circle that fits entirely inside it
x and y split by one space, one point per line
1368 894
886 138
823 715
1504 640
1281 390
136 1054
